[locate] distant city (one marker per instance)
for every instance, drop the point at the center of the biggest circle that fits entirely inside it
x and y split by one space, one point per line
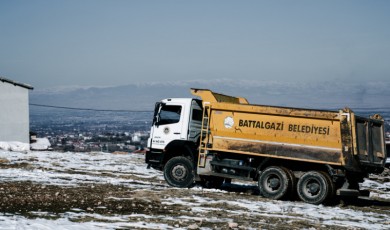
110 131
86 131
74 130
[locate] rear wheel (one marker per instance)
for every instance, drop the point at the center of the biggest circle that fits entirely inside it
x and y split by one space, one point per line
274 182
315 187
292 191
332 187
179 172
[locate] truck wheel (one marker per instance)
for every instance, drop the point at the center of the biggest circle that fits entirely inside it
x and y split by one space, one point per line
292 191
179 172
274 182
314 187
332 187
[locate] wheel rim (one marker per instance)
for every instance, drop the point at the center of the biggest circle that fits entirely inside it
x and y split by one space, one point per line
312 188
179 172
272 183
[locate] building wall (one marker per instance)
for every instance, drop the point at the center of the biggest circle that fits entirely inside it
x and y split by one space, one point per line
14 113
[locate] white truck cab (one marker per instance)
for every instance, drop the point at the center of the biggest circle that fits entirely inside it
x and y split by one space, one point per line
176 125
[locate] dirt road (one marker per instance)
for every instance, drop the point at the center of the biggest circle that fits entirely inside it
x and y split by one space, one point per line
113 193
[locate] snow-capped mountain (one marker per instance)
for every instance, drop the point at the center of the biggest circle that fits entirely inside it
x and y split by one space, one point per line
136 96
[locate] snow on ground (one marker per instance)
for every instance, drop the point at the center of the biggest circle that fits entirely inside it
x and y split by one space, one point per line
41 144
195 206
381 190
75 168
69 222
14 146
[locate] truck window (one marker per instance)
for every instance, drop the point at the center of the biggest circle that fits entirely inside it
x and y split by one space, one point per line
170 114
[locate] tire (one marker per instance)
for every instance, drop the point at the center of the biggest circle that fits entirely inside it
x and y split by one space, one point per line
332 187
314 187
274 183
292 191
212 182
179 172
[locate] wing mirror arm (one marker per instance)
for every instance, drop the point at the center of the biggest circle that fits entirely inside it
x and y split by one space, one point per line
156 118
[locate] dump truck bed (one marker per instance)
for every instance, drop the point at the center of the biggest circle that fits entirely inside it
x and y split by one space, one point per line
336 138
297 134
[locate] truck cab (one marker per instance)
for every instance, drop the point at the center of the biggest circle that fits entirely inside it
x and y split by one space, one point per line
175 130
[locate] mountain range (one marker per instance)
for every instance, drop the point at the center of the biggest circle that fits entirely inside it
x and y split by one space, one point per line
135 96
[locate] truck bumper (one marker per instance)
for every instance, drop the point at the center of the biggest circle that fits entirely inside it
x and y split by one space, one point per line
154 158
352 192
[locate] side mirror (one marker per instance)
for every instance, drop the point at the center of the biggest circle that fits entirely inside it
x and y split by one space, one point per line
156 117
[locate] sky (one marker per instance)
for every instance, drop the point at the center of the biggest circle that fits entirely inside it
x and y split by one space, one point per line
52 43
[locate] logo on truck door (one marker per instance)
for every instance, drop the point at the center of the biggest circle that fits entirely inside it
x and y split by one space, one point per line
296 128
166 130
228 122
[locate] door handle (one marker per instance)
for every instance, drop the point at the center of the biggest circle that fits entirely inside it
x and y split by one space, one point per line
176 133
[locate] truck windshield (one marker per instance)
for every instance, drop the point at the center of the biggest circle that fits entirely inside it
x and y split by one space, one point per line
169 114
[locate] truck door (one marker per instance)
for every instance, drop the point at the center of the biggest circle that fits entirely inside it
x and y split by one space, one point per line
168 125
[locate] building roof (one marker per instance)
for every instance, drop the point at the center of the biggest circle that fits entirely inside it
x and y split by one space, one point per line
16 83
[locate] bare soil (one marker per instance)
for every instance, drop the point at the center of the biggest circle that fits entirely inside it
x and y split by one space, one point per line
27 198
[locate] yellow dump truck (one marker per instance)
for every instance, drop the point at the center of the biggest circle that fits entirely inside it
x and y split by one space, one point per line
315 154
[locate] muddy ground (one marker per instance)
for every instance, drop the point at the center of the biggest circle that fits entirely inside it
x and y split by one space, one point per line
156 202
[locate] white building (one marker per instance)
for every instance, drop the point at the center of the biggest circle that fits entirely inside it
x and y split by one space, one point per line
14 112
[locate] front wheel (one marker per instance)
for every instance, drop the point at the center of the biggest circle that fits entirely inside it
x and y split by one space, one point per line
179 172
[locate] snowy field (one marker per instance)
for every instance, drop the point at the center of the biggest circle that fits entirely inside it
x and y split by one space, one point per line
51 190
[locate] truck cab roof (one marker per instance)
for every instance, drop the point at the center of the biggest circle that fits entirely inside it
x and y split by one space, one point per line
177 100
